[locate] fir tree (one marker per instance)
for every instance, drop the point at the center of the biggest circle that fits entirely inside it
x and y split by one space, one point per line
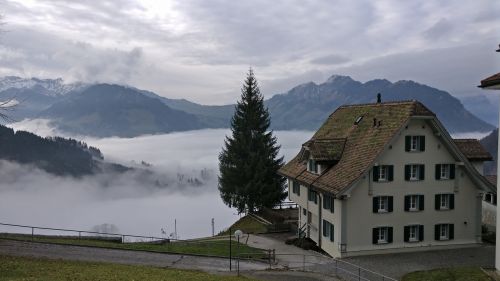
249 161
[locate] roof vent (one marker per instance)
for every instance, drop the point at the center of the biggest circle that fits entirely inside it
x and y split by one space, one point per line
379 98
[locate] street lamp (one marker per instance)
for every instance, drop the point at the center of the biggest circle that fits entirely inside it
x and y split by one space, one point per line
238 234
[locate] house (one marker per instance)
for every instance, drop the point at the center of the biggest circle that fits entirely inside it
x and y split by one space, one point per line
387 177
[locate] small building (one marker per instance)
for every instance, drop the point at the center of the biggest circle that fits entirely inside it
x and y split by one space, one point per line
387 177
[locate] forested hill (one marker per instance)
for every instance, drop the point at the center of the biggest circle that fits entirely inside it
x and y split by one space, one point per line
55 155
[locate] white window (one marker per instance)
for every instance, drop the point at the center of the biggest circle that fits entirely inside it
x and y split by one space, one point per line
445 171
413 235
382 235
383 204
383 173
443 232
413 202
444 201
312 166
414 172
414 145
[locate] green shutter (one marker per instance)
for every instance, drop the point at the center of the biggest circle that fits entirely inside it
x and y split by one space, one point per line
421 143
391 173
421 171
436 232
376 172
324 228
390 204
332 233
375 235
451 231
407 203
389 235
421 202
437 202
438 171
407 233
375 204
420 233
407 143
452 201
407 172
452 171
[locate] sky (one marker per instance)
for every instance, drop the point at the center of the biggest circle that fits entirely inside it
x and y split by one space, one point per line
201 50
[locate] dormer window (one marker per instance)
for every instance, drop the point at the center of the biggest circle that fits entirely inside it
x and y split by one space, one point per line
312 166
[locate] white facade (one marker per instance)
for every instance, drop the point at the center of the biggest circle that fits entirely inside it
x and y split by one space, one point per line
354 218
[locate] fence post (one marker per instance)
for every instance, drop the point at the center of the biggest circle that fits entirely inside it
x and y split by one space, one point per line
359 273
336 267
274 256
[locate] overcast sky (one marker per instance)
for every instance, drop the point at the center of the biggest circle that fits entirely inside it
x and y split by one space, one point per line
201 49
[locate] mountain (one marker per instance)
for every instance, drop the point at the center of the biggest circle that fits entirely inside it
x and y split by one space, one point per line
105 110
483 106
34 95
55 155
115 110
308 105
490 142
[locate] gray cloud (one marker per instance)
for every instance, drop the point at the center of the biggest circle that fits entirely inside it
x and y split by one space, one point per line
330 60
200 50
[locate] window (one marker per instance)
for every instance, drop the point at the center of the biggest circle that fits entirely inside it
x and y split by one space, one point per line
445 201
304 211
312 166
444 231
328 202
445 171
296 188
383 173
382 235
415 143
413 233
328 230
414 203
313 196
382 204
414 172
309 217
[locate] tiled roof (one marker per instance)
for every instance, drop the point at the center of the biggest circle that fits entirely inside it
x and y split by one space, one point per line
323 149
363 141
473 150
492 179
493 80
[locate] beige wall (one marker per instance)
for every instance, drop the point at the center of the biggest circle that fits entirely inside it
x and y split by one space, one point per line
361 219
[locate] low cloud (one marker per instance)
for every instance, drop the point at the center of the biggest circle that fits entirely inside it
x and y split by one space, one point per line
330 60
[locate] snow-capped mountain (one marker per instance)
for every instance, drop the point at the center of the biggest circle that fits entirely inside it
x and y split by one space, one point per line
48 87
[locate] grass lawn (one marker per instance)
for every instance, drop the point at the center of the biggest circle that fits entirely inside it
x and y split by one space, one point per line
31 269
208 247
448 274
247 224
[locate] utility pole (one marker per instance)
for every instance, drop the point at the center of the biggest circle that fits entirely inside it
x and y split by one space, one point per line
213 227
175 229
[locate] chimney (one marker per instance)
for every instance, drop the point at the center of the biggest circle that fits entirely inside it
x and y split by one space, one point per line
379 98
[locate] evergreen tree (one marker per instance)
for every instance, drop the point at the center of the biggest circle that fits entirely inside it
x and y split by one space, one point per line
249 161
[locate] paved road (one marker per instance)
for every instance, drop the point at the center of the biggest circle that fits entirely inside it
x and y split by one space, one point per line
397 265
18 248
256 270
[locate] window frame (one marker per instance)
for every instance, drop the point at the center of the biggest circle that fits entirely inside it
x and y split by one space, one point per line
385 200
312 164
446 229
383 233
413 201
414 143
415 177
446 169
444 198
296 188
383 173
